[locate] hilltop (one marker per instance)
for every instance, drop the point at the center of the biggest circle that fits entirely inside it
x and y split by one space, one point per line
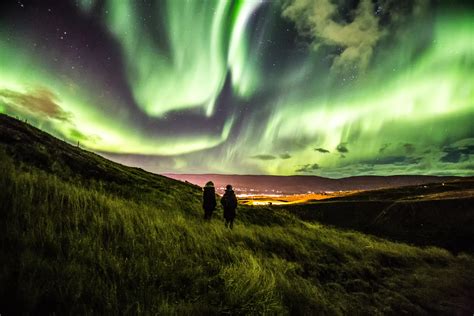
83 235
31 147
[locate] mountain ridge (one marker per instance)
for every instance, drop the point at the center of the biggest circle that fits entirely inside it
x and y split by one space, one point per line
300 184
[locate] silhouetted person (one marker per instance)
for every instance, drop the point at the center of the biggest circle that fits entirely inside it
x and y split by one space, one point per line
229 203
209 200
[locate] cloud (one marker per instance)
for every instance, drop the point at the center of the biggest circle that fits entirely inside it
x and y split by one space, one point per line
392 160
451 157
308 168
342 148
321 150
285 156
356 39
41 103
353 32
457 154
264 157
409 148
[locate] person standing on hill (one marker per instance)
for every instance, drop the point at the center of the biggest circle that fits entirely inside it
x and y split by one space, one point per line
229 203
209 200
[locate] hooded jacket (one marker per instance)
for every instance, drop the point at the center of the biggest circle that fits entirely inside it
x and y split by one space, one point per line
229 203
209 198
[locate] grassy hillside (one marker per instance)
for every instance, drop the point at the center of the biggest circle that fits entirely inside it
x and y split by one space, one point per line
440 214
92 244
35 148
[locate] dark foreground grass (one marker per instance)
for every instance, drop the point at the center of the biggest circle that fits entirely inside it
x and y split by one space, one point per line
81 249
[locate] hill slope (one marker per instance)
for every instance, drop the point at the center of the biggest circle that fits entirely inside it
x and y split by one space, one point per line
34 148
82 244
440 214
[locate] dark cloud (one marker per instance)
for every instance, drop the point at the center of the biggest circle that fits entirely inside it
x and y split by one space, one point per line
457 154
308 168
356 39
382 149
392 160
342 148
354 29
285 156
322 150
409 148
264 157
40 103
451 157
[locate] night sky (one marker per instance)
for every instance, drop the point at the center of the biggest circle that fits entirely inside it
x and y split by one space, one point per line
319 87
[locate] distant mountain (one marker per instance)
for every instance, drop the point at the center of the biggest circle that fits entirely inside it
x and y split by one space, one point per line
262 184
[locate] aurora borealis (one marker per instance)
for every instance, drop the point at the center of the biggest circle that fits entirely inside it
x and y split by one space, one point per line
321 87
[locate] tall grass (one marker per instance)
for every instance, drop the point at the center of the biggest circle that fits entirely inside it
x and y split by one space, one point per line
75 248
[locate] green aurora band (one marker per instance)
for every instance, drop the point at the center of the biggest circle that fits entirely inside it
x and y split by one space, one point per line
205 38
410 112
